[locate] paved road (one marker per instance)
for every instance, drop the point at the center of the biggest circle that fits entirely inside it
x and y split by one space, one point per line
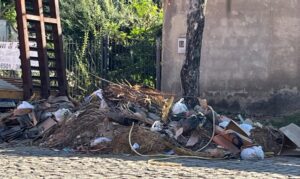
31 162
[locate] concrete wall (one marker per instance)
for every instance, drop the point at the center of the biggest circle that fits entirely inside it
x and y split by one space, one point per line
4 32
3 29
174 27
250 55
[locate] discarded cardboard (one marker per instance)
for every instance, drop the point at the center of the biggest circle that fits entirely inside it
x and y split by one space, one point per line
230 135
21 112
46 125
222 141
155 129
235 127
291 145
292 132
193 140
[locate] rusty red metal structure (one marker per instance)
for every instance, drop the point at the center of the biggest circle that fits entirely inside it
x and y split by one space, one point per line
39 30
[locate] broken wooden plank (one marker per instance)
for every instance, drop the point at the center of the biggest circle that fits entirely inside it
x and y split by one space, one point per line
11 94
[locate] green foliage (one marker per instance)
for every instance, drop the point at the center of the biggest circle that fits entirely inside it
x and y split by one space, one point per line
82 63
135 63
121 20
132 24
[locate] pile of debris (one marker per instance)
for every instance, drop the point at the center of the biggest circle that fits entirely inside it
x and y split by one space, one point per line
137 120
32 120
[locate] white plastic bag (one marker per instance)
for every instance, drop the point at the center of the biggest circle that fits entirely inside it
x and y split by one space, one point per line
179 107
252 153
157 126
136 146
25 105
100 140
99 94
247 128
223 124
62 114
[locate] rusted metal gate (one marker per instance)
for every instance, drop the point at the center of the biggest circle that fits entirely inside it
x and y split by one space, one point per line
39 30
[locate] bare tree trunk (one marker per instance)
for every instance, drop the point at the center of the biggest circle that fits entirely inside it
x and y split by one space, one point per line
190 71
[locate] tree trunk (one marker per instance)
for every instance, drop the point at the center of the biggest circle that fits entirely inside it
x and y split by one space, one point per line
190 71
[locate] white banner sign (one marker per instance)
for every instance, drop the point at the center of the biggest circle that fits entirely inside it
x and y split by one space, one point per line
10 56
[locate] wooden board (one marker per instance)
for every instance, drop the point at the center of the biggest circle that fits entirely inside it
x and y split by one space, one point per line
235 127
11 94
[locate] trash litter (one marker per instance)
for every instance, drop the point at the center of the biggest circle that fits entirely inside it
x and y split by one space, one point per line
179 107
25 105
247 128
100 140
236 127
224 124
226 144
269 138
170 152
110 119
136 146
252 153
291 145
292 132
241 118
157 126
30 121
62 114
248 121
193 139
99 94
224 119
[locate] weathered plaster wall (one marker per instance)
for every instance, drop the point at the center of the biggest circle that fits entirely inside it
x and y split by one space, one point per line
174 27
250 55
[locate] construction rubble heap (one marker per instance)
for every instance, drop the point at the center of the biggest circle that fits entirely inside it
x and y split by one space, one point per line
125 119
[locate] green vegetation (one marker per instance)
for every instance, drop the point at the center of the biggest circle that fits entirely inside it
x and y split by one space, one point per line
285 120
121 20
130 25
